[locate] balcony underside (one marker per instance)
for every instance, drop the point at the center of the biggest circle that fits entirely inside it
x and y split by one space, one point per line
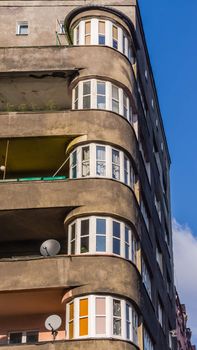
91 344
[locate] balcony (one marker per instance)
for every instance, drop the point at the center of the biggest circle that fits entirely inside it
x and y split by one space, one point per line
36 78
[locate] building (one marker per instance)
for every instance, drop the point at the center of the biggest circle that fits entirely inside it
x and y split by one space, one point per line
183 333
84 160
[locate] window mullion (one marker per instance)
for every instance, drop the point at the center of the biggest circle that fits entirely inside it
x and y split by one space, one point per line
121 167
108 162
121 101
123 319
82 33
76 318
109 33
120 39
93 160
108 96
93 94
80 95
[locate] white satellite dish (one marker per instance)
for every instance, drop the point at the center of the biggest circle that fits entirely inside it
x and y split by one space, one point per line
50 247
53 323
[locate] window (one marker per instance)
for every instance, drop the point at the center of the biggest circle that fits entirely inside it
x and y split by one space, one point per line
146 278
100 314
116 317
100 235
60 25
115 99
115 164
85 161
108 318
97 31
142 99
28 337
87 94
88 33
97 94
101 33
115 37
101 161
22 28
84 236
159 259
72 239
95 234
101 95
116 237
160 313
83 317
146 74
158 207
145 160
148 344
73 165
145 214
71 321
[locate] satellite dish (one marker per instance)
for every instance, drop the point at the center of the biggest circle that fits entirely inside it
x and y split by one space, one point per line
50 247
53 323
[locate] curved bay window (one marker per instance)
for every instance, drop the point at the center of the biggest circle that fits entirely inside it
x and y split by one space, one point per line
99 94
95 160
98 31
97 316
102 235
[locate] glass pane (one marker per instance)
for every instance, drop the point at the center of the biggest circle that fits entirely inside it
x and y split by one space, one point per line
77 35
127 312
74 172
116 326
76 92
88 40
32 337
116 246
71 330
115 106
86 88
101 27
100 168
73 232
85 153
126 251
83 307
101 102
101 39
115 32
73 247
84 244
116 308
74 158
100 88
85 227
100 306
100 226
100 325
23 29
116 229
86 169
16 338
71 312
100 243
115 157
116 172
83 326
100 153
127 234
115 44
128 330
87 27
115 93
86 102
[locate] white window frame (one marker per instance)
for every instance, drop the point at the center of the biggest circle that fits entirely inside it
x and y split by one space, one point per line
122 98
108 163
108 318
124 48
146 278
60 27
19 25
131 243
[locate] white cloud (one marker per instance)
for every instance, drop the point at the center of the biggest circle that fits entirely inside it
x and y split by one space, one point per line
185 260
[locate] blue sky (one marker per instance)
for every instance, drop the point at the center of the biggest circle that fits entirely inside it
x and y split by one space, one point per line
171 33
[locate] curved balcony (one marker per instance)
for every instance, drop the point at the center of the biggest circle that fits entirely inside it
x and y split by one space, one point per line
82 344
79 274
49 79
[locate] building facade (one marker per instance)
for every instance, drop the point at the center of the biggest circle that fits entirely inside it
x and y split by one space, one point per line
84 160
183 333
